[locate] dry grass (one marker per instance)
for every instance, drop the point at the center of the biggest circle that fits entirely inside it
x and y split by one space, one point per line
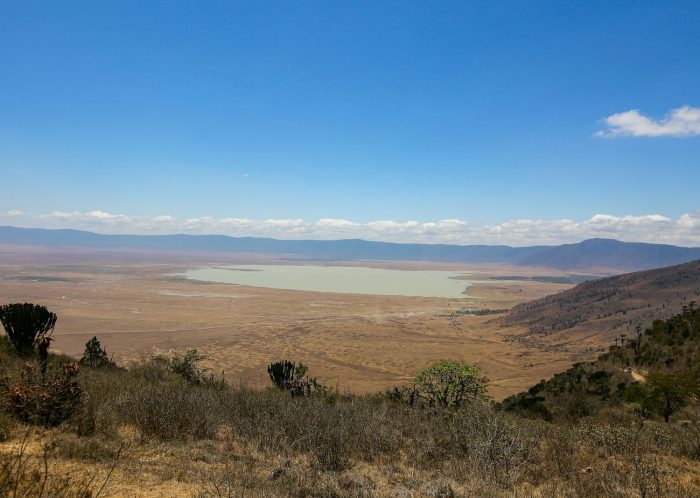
171 438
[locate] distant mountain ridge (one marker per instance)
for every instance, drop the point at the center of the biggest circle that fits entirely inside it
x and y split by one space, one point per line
611 253
592 253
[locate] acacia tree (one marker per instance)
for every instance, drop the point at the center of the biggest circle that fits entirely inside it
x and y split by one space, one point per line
450 383
669 392
24 322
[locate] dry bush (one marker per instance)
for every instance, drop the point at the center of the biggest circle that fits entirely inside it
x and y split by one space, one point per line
167 411
482 441
47 402
243 475
561 456
331 436
333 433
150 398
96 412
685 436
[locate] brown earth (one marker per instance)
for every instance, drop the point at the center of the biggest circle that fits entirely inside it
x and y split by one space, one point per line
358 342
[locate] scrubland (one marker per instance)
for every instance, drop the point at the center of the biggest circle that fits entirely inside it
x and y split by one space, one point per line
150 431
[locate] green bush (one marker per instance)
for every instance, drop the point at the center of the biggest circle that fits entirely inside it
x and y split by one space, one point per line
449 383
187 366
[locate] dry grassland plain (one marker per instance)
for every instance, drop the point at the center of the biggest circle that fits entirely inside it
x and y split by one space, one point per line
361 343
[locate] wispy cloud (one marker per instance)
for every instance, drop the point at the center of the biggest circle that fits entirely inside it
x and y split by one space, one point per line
685 230
681 122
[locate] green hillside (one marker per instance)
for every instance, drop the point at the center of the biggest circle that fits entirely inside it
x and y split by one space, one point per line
653 372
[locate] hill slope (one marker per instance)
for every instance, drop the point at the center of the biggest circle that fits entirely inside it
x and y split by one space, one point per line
611 255
610 306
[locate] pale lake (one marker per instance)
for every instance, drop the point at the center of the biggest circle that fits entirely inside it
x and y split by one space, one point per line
342 279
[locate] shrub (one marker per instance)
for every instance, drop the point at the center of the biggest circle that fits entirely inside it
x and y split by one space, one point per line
450 383
151 398
493 444
23 322
96 412
42 402
187 366
169 411
333 434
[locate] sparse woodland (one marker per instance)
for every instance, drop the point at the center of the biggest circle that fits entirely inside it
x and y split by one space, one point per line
625 425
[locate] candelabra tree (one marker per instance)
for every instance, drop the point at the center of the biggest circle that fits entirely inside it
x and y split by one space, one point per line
28 324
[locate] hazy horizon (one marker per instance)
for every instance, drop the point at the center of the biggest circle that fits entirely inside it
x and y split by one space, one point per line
335 239
518 233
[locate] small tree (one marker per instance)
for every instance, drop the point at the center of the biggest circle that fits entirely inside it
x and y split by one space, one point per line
450 383
95 355
24 322
638 340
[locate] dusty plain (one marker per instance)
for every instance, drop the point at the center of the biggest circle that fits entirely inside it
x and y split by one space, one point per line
361 343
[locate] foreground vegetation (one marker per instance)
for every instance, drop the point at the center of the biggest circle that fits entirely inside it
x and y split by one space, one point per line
165 426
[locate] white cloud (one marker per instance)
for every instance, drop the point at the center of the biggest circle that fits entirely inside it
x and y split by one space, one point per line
336 223
685 230
681 122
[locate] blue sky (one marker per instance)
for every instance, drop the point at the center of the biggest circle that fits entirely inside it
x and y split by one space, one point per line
360 111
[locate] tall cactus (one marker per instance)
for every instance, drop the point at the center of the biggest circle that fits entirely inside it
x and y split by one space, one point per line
24 322
281 373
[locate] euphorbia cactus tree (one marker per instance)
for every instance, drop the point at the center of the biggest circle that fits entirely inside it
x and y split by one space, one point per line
24 323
